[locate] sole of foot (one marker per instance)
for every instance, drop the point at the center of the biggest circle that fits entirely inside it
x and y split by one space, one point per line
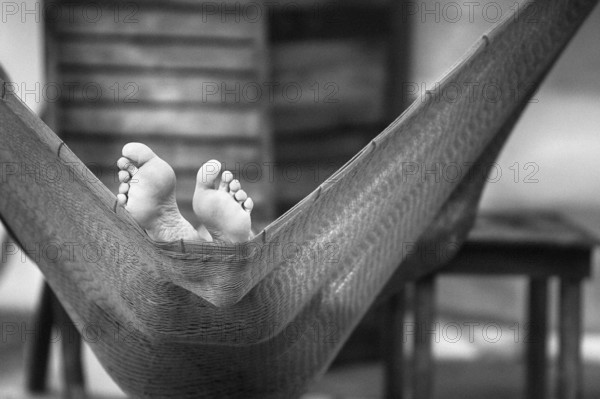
147 191
221 205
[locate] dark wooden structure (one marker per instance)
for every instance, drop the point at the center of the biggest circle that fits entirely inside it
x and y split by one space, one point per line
537 246
177 75
348 61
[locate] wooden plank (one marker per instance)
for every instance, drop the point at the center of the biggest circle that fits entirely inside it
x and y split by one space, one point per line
358 81
329 20
180 154
328 84
197 4
318 4
289 120
398 60
71 344
161 121
323 147
146 19
121 53
535 261
537 314
294 181
531 228
326 54
393 336
569 359
123 86
423 365
38 354
355 81
355 68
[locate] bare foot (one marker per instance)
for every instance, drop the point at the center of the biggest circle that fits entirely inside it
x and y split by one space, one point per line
224 209
147 191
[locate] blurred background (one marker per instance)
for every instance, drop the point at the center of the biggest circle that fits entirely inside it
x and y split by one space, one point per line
326 67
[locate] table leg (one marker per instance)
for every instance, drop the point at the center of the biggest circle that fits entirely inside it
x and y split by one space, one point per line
394 346
569 362
38 351
424 321
536 339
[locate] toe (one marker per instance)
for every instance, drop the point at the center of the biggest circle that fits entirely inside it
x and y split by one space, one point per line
121 199
240 196
248 204
127 165
137 152
234 186
123 188
124 176
226 178
208 173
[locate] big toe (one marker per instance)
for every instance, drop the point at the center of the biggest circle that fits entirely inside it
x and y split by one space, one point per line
207 175
137 152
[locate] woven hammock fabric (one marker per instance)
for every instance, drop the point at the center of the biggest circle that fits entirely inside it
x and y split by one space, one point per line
262 319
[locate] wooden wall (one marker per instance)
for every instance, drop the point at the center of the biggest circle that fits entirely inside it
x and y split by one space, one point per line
154 72
322 68
338 53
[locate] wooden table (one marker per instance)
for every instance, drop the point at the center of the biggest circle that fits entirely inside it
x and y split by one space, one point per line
537 246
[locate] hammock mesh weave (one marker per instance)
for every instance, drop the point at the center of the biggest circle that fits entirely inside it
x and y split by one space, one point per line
264 318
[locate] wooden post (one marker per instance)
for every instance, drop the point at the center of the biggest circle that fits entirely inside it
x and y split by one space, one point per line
71 342
569 361
536 346
36 360
394 345
398 68
395 102
424 319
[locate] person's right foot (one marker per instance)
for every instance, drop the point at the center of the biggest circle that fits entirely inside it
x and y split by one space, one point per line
224 209
147 191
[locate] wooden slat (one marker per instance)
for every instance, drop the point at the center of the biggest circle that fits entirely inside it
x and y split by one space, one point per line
180 154
215 122
195 4
322 148
122 53
334 19
291 119
521 260
393 337
423 365
325 54
320 4
123 87
358 81
294 181
569 360
536 351
145 19
348 76
530 228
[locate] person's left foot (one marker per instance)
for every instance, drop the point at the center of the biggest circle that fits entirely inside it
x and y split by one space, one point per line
224 209
147 191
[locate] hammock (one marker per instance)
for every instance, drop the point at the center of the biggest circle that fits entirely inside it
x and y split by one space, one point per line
263 318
